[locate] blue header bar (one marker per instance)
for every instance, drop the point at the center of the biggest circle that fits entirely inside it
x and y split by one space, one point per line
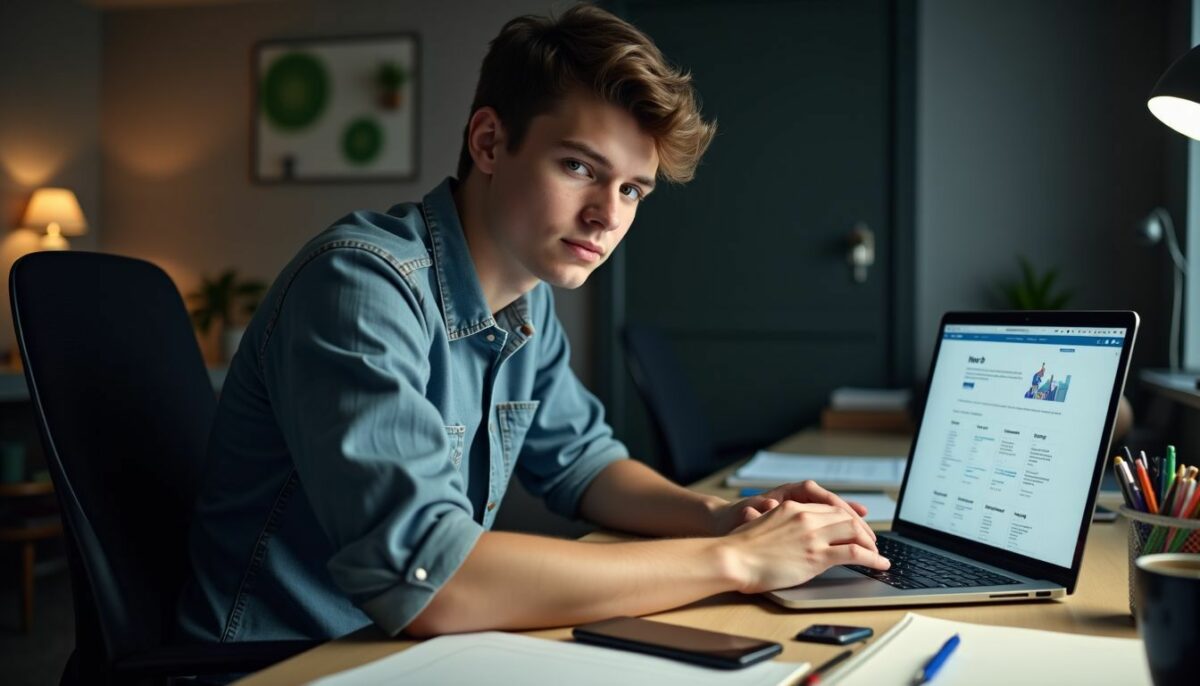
1038 339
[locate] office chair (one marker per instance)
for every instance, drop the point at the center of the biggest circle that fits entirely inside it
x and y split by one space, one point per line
123 405
677 420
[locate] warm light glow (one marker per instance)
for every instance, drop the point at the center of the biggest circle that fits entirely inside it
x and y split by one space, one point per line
27 168
16 243
53 240
157 135
32 157
58 208
1177 113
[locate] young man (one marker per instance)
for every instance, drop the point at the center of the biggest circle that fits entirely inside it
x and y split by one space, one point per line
406 365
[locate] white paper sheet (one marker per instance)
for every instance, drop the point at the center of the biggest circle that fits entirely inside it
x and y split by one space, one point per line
994 655
495 657
771 469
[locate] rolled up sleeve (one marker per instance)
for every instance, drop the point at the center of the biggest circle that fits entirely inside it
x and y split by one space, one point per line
346 365
569 442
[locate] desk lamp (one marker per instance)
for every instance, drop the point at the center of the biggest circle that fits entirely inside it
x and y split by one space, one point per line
1175 100
1151 231
57 211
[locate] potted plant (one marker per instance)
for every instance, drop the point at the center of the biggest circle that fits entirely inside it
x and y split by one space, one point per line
228 302
390 79
1033 291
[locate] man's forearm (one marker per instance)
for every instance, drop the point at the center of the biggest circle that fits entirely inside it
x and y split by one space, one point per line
630 496
518 581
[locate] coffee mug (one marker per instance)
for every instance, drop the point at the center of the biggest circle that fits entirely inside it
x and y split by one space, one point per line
1167 589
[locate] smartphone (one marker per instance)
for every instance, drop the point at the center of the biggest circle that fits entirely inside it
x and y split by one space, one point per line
1103 514
835 634
709 648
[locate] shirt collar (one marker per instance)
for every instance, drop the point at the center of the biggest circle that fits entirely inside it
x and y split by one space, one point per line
463 305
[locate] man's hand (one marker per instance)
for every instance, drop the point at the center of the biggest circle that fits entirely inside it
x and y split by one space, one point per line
794 542
732 515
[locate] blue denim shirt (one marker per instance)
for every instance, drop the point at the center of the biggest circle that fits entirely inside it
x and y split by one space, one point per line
367 430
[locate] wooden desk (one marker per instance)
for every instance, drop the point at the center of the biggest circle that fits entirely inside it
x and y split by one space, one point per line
26 534
1100 604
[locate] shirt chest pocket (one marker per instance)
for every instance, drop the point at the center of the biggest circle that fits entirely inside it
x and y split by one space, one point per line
456 435
514 419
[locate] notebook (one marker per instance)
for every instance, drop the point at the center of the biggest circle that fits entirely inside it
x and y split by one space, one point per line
998 655
495 657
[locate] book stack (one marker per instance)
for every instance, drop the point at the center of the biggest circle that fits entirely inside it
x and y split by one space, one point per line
868 409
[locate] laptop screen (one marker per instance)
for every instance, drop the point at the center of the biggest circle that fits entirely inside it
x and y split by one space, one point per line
1007 447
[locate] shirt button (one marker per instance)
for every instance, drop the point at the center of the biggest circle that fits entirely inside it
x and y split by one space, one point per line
491 337
527 329
491 506
420 574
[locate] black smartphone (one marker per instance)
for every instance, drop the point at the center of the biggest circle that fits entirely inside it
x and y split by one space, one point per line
835 634
709 648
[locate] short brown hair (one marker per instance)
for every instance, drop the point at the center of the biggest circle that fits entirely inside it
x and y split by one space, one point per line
535 61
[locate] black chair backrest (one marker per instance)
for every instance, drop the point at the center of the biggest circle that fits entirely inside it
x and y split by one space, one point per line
678 420
124 406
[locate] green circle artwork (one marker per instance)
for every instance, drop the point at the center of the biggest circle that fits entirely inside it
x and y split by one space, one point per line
362 140
295 91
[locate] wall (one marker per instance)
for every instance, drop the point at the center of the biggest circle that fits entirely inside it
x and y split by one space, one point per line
49 114
175 130
1034 138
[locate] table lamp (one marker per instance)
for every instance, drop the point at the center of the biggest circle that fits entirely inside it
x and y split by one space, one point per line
57 211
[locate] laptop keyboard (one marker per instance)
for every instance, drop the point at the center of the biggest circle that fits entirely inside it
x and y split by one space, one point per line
914 567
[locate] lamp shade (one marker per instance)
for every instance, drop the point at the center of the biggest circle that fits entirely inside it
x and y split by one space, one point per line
55 206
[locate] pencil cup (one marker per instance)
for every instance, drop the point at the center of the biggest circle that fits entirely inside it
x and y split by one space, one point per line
1151 534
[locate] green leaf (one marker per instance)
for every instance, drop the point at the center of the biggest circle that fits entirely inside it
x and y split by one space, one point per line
219 298
1033 291
250 289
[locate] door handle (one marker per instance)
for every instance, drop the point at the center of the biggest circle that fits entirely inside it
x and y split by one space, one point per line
861 254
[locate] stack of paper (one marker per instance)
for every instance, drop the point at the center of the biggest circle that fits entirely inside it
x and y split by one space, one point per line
880 508
846 398
766 470
500 658
999 655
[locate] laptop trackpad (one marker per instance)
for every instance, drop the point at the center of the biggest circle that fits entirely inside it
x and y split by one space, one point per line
840 577
839 582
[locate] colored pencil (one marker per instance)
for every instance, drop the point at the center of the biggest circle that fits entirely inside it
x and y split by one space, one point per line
1147 489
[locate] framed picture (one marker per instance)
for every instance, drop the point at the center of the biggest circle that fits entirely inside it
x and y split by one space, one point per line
336 109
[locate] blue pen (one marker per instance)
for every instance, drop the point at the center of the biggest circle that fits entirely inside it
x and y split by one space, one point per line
935 663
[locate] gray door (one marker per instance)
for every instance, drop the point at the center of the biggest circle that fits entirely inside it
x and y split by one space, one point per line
746 268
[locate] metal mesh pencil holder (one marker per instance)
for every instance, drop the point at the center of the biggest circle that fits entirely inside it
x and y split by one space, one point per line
1149 533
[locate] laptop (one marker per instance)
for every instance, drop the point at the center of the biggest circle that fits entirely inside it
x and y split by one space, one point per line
1003 470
